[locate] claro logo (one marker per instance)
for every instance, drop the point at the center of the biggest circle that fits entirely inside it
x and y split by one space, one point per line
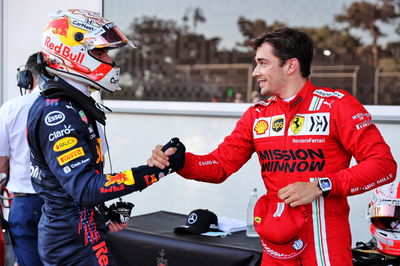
64 51
54 118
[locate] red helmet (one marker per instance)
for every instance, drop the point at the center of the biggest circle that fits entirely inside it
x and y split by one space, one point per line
67 42
384 214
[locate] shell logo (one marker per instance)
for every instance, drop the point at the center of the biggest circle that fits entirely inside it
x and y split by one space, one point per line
261 127
65 143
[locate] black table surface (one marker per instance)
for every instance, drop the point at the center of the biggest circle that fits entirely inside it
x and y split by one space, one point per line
150 240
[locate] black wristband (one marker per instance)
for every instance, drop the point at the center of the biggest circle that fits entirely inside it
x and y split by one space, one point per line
145 175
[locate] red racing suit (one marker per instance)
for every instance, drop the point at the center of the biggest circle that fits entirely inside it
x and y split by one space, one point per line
314 135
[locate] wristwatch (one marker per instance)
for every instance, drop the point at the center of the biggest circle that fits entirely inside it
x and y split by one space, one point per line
325 185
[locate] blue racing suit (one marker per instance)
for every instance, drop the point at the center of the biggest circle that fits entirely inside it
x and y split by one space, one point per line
67 171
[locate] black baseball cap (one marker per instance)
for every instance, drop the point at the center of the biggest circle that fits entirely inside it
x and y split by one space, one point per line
199 221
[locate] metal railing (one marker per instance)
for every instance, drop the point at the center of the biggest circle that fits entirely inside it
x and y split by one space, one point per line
382 71
338 71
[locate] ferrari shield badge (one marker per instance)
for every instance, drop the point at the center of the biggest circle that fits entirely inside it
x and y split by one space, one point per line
297 124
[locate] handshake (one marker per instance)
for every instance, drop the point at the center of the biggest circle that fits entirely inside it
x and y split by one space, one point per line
176 160
146 175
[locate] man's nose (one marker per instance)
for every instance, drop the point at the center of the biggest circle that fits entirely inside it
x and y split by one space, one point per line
255 72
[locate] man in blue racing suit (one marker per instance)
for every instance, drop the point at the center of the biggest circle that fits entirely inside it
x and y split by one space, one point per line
64 135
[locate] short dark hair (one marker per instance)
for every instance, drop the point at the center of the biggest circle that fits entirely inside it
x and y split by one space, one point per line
288 43
32 65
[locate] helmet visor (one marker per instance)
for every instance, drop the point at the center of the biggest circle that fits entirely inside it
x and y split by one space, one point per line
111 37
385 211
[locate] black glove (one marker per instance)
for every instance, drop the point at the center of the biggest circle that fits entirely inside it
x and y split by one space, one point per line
119 212
145 175
176 160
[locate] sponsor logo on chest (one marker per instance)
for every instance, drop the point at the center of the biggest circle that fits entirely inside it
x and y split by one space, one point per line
64 144
60 133
54 118
269 126
309 124
300 125
71 155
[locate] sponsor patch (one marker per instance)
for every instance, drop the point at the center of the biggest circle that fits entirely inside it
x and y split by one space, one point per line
323 93
363 124
261 127
361 116
298 244
63 50
204 163
99 151
150 179
67 169
51 102
101 253
83 116
309 124
120 178
297 123
73 165
293 160
308 140
315 104
104 190
60 133
35 171
71 155
278 124
269 126
54 118
64 144
69 106
83 25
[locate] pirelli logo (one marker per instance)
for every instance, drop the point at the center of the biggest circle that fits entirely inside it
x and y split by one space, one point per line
309 124
71 155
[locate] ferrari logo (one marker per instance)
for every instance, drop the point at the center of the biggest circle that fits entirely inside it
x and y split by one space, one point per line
297 124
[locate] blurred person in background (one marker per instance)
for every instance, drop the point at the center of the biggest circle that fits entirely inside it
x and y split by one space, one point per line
25 210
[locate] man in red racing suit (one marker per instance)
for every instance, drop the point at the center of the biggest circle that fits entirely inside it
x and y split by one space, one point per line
298 141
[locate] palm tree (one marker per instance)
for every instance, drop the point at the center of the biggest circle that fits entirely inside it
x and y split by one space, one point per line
366 15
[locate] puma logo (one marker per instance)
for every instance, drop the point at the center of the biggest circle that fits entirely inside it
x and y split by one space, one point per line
328 103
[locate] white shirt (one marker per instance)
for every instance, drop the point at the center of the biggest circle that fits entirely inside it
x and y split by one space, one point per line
13 141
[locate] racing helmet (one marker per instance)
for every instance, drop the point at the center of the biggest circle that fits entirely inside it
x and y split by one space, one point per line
384 215
67 42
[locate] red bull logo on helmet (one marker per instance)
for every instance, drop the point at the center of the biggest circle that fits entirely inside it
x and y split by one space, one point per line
64 51
59 26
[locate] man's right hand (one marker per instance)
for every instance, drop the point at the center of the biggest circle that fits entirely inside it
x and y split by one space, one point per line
4 164
173 157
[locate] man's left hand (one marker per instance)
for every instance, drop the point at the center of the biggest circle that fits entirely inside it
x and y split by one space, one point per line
300 193
115 227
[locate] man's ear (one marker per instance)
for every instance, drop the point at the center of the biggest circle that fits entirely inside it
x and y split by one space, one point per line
292 65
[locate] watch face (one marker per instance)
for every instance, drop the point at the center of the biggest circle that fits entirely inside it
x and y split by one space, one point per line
325 184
